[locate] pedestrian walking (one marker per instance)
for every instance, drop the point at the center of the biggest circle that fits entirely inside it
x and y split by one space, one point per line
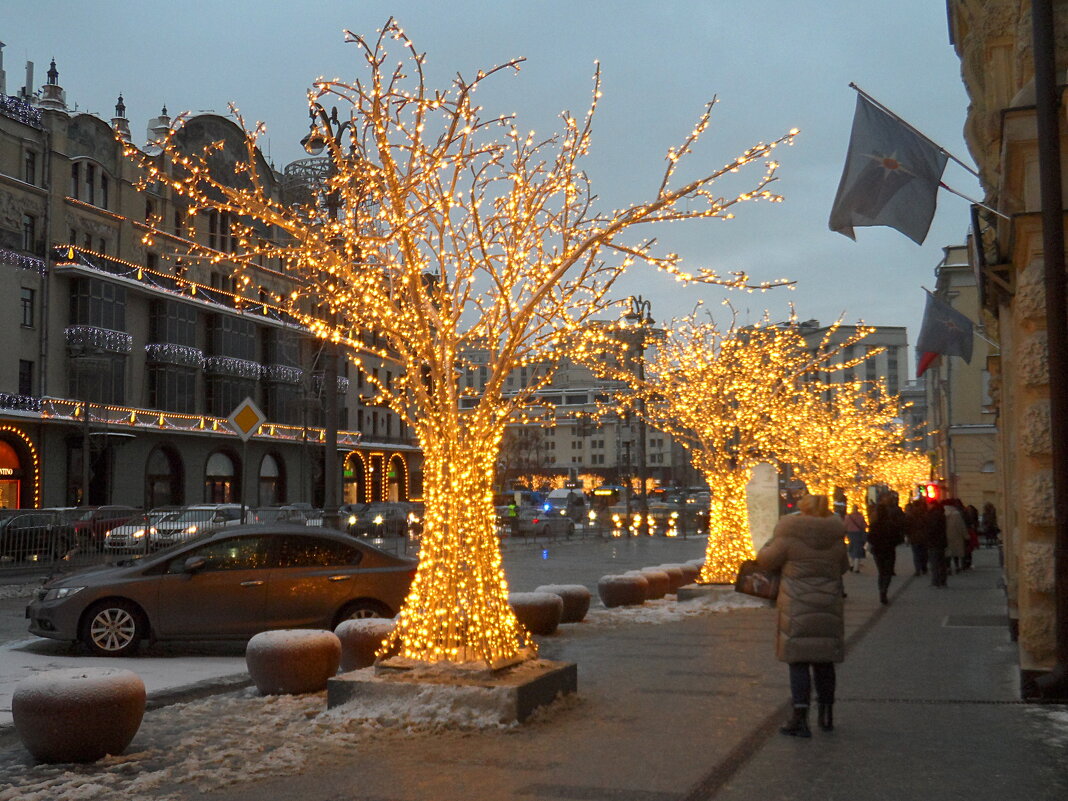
809 550
971 519
988 524
916 533
856 532
887 532
513 518
956 535
935 524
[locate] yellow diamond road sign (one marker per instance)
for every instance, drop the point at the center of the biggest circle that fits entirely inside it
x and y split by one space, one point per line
246 419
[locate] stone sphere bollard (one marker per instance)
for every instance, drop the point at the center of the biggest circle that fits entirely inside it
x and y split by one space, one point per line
78 714
576 600
689 572
539 612
292 661
698 563
626 590
360 639
659 582
676 578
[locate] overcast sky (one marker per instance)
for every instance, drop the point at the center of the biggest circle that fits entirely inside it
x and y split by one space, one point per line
773 65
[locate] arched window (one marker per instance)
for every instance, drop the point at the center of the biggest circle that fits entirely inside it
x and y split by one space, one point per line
272 484
164 478
355 478
220 479
10 477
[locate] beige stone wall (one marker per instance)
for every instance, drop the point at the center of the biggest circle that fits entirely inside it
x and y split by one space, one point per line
993 40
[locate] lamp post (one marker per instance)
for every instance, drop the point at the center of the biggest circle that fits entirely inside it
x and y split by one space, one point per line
640 315
325 133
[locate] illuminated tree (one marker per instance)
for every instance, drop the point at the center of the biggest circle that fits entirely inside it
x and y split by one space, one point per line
445 233
901 470
851 431
732 398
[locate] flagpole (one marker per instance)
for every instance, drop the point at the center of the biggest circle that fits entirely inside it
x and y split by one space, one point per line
913 128
991 209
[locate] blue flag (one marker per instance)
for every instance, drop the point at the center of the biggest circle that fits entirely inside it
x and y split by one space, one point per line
944 331
891 176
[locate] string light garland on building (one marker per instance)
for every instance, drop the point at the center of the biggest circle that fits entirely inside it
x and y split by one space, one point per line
89 339
23 262
178 355
446 233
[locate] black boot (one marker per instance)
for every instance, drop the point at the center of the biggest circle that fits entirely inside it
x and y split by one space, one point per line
826 717
797 726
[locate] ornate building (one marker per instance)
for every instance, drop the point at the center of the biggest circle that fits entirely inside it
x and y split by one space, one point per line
994 41
123 361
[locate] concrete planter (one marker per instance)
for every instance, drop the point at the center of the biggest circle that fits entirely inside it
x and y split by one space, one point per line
292 661
659 582
360 639
78 714
576 600
626 590
690 572
539 612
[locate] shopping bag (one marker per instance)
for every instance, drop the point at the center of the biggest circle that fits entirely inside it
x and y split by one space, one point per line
754 580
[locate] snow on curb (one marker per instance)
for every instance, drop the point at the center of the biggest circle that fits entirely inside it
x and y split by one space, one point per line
667 610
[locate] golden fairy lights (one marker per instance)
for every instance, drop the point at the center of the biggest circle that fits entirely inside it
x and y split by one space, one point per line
732 397
447 234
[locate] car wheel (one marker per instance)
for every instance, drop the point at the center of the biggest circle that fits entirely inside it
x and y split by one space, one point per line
358 610
113 628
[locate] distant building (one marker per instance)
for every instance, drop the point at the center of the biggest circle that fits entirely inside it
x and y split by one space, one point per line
887 367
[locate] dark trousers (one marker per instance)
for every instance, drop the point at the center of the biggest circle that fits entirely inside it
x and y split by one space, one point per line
801 682
884 563
937 559
919 559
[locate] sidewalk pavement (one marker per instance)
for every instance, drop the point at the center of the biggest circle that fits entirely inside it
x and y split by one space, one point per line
688 710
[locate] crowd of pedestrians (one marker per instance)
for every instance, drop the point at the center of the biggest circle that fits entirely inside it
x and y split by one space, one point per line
813 549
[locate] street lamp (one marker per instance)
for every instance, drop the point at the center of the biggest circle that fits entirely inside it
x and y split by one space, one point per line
326 131
640 315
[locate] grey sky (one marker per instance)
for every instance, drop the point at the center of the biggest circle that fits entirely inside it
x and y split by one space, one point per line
774 65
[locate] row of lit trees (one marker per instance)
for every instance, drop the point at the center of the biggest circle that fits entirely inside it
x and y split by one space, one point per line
446 233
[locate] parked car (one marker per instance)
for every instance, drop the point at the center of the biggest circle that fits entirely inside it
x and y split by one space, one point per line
380 520
568 502
93 522
197 520
227 584
138 534
536 522
35 536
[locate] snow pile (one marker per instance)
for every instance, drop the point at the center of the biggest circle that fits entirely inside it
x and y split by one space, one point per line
667 610
8 591
1053 723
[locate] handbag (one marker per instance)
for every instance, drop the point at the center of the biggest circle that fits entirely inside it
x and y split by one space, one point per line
756 581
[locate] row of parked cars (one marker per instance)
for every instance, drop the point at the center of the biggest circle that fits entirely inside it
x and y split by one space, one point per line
48 535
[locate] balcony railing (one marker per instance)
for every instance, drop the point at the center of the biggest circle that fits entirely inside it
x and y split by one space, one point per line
84 340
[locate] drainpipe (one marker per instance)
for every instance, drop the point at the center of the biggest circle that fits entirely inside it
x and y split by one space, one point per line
1053 685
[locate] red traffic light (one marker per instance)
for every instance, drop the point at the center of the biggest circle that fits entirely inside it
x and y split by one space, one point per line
932 492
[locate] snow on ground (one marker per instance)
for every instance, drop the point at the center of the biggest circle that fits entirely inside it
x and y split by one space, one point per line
667 610
196 747
1054 723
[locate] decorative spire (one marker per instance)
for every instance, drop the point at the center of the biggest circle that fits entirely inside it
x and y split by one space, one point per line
53 74
120 108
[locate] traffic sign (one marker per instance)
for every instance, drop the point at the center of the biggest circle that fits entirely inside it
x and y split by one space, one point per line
246 419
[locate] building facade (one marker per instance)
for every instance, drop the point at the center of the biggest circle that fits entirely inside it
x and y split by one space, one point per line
961 408
123 360
994 42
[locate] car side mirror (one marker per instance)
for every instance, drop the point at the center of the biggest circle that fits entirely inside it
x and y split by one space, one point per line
194 564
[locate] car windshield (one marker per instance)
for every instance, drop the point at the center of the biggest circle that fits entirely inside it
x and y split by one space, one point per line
195 515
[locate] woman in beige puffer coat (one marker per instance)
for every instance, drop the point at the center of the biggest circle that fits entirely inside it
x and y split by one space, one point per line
809 549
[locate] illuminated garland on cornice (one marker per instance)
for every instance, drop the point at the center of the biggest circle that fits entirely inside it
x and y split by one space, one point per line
282 374
20 110
342 384
180 355
227 365
19 403
23 262
86 339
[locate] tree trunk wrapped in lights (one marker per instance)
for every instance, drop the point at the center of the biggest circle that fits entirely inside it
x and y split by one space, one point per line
450 236
732 398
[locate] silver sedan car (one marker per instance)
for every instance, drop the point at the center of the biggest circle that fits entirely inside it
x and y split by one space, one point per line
227 584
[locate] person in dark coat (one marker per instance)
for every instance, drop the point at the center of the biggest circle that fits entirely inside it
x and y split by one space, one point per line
887 531
935 520
856 532
916 532
809 550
